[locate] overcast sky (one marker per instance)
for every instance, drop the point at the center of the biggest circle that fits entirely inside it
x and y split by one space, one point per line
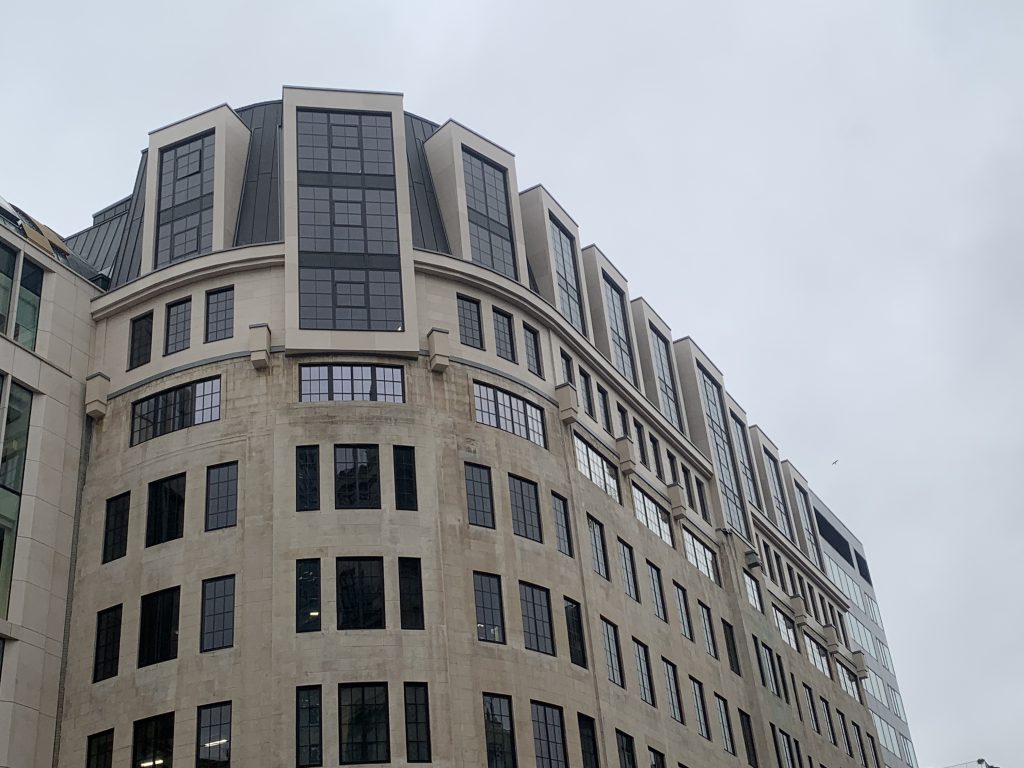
829 197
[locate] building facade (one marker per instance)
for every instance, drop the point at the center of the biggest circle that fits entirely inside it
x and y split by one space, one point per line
380 466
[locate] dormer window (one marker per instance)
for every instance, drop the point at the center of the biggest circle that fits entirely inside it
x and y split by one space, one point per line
618 330
570 303
185 204
490 228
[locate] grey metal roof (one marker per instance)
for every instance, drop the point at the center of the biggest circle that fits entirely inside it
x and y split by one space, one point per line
427 228
259 213
99 244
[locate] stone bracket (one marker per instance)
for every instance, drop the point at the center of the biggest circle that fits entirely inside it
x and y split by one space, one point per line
97 388
627 456
259 345
568 403
437 346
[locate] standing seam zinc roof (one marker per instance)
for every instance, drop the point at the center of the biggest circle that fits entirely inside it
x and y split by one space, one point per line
113 245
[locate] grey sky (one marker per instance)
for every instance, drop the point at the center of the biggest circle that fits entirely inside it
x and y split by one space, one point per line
827 196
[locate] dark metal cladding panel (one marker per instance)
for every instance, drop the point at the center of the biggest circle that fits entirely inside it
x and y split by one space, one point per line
258 214
97 246
427 227
129 255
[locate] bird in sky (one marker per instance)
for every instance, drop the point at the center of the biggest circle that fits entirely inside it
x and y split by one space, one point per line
835 462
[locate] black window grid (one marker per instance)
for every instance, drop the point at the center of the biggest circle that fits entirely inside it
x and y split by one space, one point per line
510 413
165 511
531 343
417 723
115 527
213 735
221 495
470 329
218 614
307 595
140 341
220 314
570 302
158 626
153 740
504 335
612 652
548 735
563 527
169 410
309 733
410 592
364 725
524 498
499 731
108 643
348 383
489 216
356 477
479 495
535 602
405 477
307 477
360 593
490 613
574 628
178 329
99 750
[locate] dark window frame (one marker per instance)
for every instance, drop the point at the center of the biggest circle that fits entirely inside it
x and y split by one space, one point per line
138 355
223 317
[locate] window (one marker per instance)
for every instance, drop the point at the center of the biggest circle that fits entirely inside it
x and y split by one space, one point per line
873 751
140 341
908 751
586 388
739 435
218 614
726 724
410 592
683 604
709 630
177 408
185 206
479 497
563 530
702 500
115 528
606 415
859 741
598 552
504 336
749 746
786 628
810 547
405 477
886 734
628 566
99 751
675 704
767 668
845 733
753 591
363 723
8 265
657 593
784 749
641 442
307 477
348 383
612 652
642 657
570 303
510 413
158 627
618 328
574 626
673 469
220 314
656 455
701 556
700 708
490 614
489 217
588 741
153 740
309 735
30 296
360 592
213 739
623 420
307 595
536 606
417 723
596 467
568 373
778 496
165 514
874 685
356 477
523 496
715 412
548 735
470 328
848 681
657 759
108 643
652 514
884 656
828 721
221 495
730 646
499 732
894 697
817 654
668 402
531 342
178 329
627 754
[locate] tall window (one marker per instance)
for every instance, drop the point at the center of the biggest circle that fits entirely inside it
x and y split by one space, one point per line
307 595
213 743
709 630
307 477
525 503
499 732
8 266
363 723
417 723
536 606
220 314
642 657
158 627
657 593
30 297
99 750
349 267
221 495
184 220
812 708
714 409
218 630
749 746
504 336
479 495
108 643
153 740
683 604
531 342
570 304
726 724
701 556
587 391
574 626
410 592
598 552
739 436
606 413
700 708
618 328
490 613
668 401
309 736
563 529
675 704
784 746
730 646
588 741
360 592
628 565
197 402
652 514
510 413
140 340
818 655
626 750
165 514
373 383
356 477
596 467
753 591
548 735
811 548
786 628
612 652
405 477
115 528
178 328
470 328
657 758
490 227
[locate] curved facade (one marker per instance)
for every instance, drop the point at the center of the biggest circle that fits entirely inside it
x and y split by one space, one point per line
383 467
